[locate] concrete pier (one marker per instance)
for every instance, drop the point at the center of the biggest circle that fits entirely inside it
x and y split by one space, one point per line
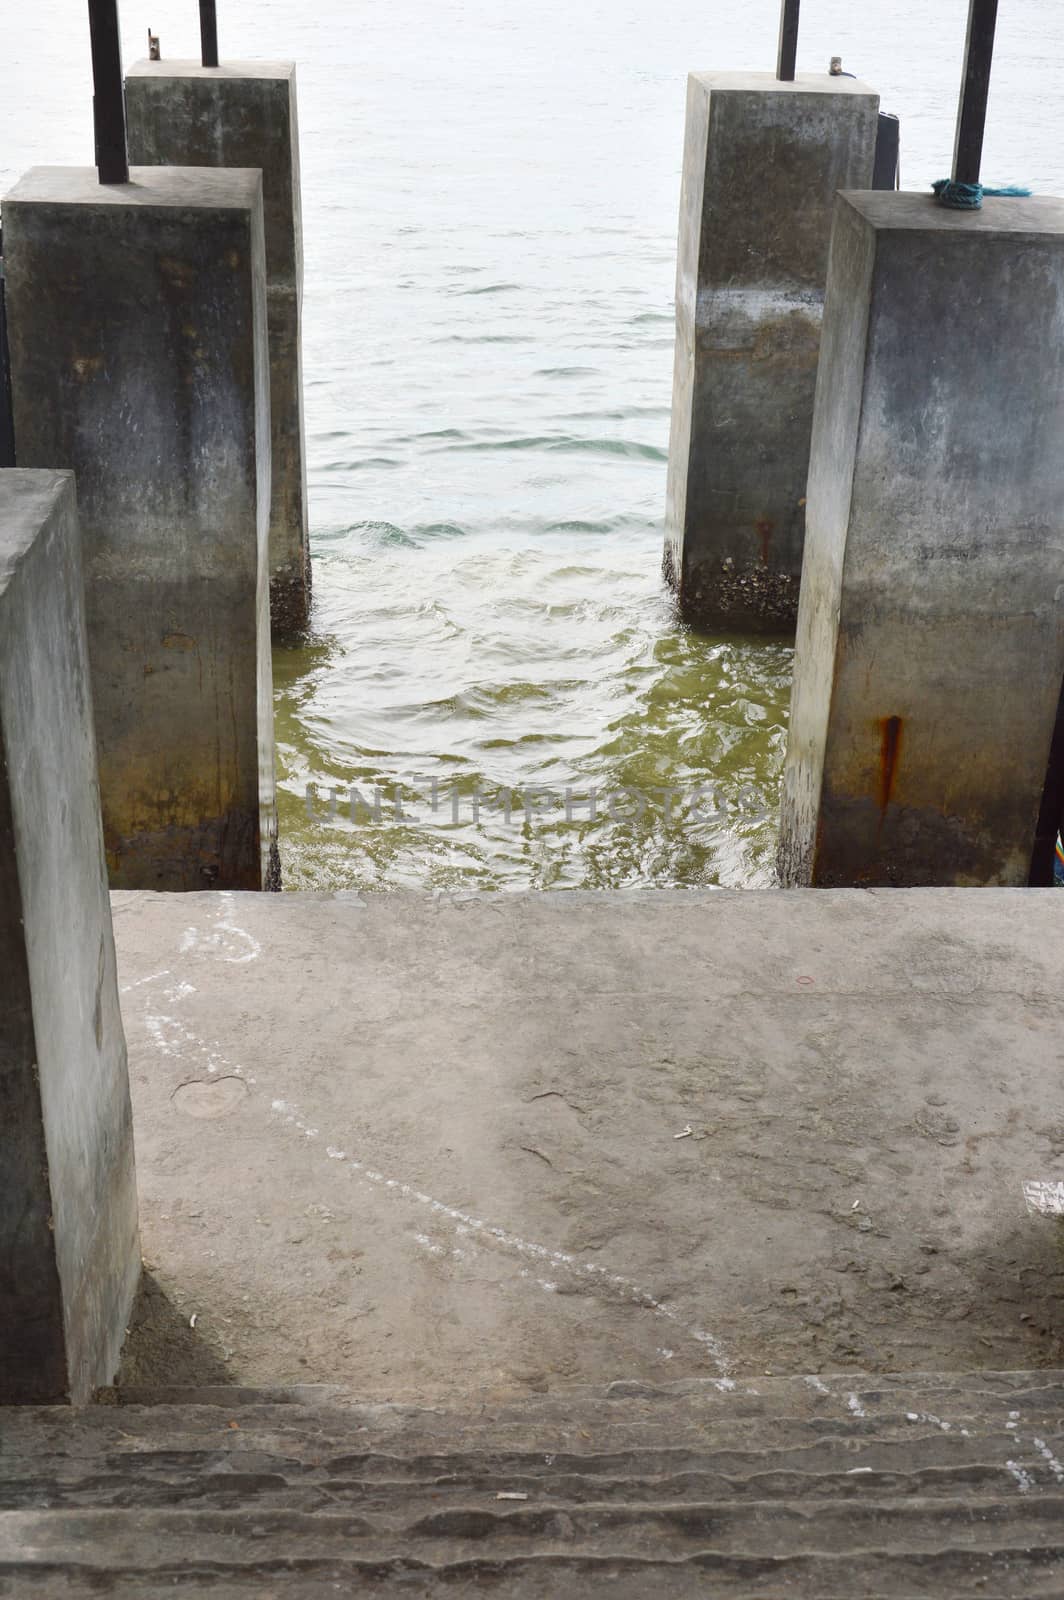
137 324
931 637
243 114
69 1251
762 162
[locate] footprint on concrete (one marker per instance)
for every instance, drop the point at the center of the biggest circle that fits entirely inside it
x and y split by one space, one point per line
209 1098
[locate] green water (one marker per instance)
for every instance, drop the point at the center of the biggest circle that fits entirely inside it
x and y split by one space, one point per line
546 668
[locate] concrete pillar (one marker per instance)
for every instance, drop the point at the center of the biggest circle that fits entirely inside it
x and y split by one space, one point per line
931 631
762 162
137 322
243 114
69 1253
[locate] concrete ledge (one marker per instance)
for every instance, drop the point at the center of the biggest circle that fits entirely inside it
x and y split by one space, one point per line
69 1257
420 1147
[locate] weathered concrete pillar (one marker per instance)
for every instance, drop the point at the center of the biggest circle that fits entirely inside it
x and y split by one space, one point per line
762 162
137 323
931 631
243 114
69 1253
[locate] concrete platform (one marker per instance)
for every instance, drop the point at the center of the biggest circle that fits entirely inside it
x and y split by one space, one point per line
420 1147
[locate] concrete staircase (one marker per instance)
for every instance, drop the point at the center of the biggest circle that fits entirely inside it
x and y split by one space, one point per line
843 1486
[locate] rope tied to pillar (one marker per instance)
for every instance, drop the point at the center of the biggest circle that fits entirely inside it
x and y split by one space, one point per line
969 196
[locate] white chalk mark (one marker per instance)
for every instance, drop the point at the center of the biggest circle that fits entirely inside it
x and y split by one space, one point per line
929 1416
540 1283
151 978
162 1030
570 1265
818 1385
225 921
172 1038
1044 1199
1023 1479
854 1405
226 940
1047 1455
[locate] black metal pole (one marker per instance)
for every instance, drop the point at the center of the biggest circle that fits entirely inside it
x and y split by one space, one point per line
788 51
108 101
975 87
208 29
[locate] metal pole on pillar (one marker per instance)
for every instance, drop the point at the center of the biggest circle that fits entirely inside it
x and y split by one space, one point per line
208 27
788 50
975 87
108 101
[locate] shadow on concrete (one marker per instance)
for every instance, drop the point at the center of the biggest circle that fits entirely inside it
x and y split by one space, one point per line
163 1350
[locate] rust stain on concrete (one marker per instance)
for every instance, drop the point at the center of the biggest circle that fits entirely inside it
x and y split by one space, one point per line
890 729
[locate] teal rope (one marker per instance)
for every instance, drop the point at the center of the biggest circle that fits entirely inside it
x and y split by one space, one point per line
969 196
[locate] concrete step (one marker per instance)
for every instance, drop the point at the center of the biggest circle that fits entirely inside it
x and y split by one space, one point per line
800 1487
954 1574
202 1484
100 1539
949 1572
704 1434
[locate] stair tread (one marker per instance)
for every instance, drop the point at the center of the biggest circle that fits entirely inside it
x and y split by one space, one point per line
896 1486
949 1574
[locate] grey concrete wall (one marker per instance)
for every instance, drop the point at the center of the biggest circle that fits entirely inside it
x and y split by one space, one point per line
243 114
762 162
69 1252
138 354
931 634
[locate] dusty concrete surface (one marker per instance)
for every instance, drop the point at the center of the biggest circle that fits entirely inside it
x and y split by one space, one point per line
424 1146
